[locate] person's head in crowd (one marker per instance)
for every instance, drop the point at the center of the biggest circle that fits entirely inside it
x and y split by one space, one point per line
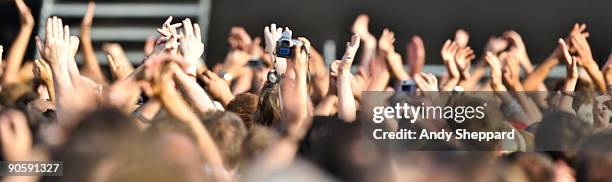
594 159
168 125
258 139
268 107
244 105
154 170
492 121
342 154
536 166
83 118
17 95
103 136
228 132
559 134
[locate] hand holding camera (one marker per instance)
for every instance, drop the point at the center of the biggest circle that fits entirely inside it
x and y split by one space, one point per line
285 45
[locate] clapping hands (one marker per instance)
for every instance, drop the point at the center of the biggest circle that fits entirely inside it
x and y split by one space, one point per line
496 73
571 62
191 45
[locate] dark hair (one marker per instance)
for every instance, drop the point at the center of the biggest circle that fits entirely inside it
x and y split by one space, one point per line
244 105
592 161
560 133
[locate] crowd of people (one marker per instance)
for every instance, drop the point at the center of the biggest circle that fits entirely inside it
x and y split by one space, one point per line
261 117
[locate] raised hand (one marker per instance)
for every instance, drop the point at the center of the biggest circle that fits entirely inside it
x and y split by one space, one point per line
217 87
116 54
346 100
463 58
416 55
580 45
511 71
18 49
295 92
191 46
496 44
42 71
271 36
386 41
518 48
149 46
59 47
117 71
496 73
360 27
25 14
89 15
239 39
392 58
583 49
235 63
462 38
91 67
571 63
349 54
426 82
15 136
168 42
449 49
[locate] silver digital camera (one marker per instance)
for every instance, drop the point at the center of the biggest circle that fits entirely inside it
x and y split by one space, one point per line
284 46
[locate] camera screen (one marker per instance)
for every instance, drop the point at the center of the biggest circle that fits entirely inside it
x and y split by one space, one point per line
408 86
284 51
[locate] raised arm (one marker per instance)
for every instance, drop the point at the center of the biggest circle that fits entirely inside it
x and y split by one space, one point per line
394 59
18 49
59 49
164 89
294 93
537 77
217 87
347 110
415 55
449 49
571 63
496 74
91 68
463 59
191 46
368 51
511 75
583 49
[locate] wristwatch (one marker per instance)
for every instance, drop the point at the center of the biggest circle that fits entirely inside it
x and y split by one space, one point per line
226 76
